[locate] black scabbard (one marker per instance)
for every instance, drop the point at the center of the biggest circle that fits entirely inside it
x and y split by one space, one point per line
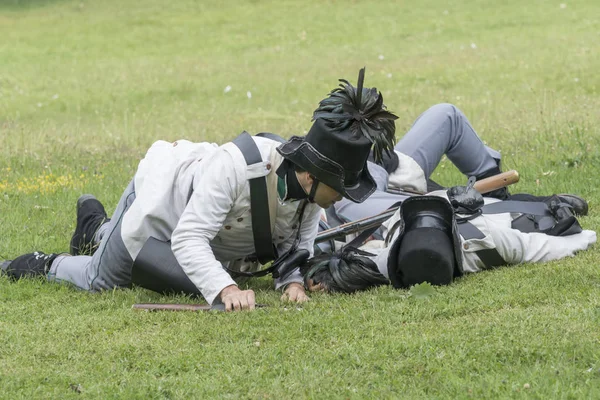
157 269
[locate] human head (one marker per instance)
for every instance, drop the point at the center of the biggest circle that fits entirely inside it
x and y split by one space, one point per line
347 271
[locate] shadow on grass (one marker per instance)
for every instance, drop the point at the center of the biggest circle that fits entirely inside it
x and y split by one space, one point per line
24 5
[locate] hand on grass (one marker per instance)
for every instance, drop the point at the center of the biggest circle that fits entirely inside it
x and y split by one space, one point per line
236 299
295 292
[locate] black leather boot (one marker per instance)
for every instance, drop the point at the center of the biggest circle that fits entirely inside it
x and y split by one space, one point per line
29 265
90 216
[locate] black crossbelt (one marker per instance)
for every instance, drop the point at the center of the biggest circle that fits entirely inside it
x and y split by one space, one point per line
490 257
259 201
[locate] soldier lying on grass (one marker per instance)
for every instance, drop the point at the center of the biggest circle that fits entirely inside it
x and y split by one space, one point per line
435 239
424 241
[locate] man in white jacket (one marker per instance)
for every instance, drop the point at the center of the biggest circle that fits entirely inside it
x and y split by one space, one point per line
424 242
197 196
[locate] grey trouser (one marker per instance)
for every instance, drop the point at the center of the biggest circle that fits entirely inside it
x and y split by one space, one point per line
110 266
442 129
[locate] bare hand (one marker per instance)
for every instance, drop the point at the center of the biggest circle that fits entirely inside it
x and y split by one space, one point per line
236 299
295 292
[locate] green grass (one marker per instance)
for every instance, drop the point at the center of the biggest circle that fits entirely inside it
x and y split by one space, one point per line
86 87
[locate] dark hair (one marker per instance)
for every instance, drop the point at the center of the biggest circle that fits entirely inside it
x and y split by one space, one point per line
347 271
362 110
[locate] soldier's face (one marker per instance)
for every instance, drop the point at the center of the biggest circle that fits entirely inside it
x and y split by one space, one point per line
325 196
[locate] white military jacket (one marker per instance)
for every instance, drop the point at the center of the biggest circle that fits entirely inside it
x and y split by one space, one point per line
514 246
197 195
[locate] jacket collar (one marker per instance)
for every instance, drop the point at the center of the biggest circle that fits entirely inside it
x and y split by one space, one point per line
288 186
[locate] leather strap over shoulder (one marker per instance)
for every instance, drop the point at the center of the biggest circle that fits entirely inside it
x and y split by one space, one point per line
259 201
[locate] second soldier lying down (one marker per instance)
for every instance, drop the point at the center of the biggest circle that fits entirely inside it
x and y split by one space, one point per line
427 241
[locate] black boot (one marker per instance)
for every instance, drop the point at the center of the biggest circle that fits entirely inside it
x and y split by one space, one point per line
90 217
502 193
580 206
29 265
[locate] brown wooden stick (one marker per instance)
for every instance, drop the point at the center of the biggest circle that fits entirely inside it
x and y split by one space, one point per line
497 181
482 186
171 307
182 307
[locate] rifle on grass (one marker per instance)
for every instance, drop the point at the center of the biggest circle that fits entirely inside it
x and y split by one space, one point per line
483 186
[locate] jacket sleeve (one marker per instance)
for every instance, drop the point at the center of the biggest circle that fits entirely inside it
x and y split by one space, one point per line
518 247
216 189
308 233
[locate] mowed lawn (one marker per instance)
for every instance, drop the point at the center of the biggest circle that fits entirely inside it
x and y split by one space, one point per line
87 86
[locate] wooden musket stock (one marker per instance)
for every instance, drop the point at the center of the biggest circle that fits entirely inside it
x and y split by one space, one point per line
497 181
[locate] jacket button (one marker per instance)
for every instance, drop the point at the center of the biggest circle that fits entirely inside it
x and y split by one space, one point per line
294 226
227 227
175 144
240 219
268 166
466 246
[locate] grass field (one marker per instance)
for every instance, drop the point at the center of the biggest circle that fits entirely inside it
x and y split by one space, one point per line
86 87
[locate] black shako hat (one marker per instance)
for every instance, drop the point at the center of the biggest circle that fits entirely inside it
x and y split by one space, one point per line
346 125
427 248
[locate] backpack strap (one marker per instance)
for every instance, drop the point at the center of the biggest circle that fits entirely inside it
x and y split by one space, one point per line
514 206
259 201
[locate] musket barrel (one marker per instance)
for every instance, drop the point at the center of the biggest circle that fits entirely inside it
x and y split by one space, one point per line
354 226
483 186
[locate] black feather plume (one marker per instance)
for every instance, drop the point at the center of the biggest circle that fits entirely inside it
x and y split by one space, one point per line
362 110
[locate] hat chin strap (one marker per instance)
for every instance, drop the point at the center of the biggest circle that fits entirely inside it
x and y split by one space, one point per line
313 190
